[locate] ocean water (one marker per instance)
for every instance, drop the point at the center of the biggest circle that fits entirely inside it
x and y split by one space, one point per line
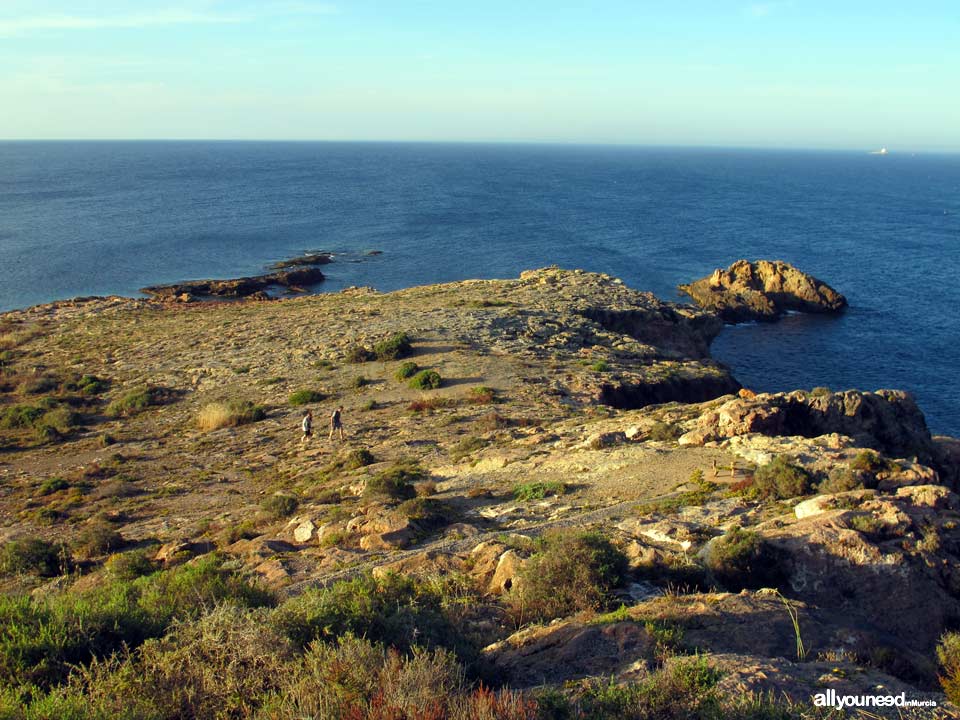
110 217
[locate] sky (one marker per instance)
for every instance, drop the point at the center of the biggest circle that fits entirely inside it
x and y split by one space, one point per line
791 73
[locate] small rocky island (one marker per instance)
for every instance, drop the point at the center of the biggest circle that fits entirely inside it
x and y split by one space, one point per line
762 291
547 487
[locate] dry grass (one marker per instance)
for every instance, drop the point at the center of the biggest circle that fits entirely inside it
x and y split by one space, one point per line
227 414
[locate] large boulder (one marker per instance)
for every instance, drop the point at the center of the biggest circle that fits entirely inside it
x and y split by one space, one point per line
762 290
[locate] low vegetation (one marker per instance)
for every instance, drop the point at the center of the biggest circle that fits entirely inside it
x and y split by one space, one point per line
305 397
742 559
525 492
406 370
137 400
569 572
229 414
395 483
426 380
780 480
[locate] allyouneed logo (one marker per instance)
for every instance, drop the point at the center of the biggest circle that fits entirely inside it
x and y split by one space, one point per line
830 698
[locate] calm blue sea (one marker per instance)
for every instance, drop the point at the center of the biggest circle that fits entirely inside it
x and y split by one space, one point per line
110 217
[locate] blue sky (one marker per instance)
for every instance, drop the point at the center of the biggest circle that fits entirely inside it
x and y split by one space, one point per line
795 73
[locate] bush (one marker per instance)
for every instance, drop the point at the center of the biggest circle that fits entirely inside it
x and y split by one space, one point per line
394 483
33 555
742 559
41 638
569 573
280 506
92 385
229 414
406 370
305 397
537 490
869 461
52 485
600 366
427 514
359 354
358 458
396 610
664 432
38 386
781 480
948 653
844 480
136 400
97 539
426 380
130 565
395 347
17 417
482 395
359 382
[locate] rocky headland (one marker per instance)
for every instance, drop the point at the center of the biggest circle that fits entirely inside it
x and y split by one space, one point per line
546 484
762 291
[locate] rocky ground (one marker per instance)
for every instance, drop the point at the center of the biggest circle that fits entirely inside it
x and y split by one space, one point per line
567 402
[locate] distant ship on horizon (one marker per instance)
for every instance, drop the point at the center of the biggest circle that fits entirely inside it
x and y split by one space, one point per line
881 151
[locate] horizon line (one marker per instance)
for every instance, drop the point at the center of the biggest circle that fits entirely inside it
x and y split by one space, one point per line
565 143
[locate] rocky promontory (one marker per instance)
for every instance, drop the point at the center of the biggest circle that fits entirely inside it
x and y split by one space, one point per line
549 502
762 291
297 279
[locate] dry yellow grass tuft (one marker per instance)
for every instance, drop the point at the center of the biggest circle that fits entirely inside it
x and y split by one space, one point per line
228 414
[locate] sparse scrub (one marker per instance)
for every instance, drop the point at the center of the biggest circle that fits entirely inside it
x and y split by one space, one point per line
394 483
601 366
406 370
97 539
869 461
428 404
305 397
743 559
136 400
570 572
525 492
359 354
33 555
279 505
52 485
92 385
359 382
130 565
780 479
428 514
948 653
229 414
844 479
466 446
426 380
395 347
664 432
481 395
14 417
358 458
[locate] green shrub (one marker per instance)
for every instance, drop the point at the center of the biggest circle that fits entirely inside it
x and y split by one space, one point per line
359 354
130 565
600 366
136 400
38 386
569 573
428 514
664 432
844 479
780 479
33 555
16 417
467 446
482 395
395 347
948 653
359 382
96 539
305 397
358 458
92 385
394 483
426 380
537 490
396 610
742 559
41 638
280 506
406 370
869 461
52 485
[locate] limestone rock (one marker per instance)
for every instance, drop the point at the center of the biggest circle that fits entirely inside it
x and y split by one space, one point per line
762 290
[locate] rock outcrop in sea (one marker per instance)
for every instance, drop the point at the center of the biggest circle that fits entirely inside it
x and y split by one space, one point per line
762 291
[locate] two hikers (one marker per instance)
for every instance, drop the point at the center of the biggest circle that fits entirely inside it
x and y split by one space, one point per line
336 424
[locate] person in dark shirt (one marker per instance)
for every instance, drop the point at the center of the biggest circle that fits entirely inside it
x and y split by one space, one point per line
336 423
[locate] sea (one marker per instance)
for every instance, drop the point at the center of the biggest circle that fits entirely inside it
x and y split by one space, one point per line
99 218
